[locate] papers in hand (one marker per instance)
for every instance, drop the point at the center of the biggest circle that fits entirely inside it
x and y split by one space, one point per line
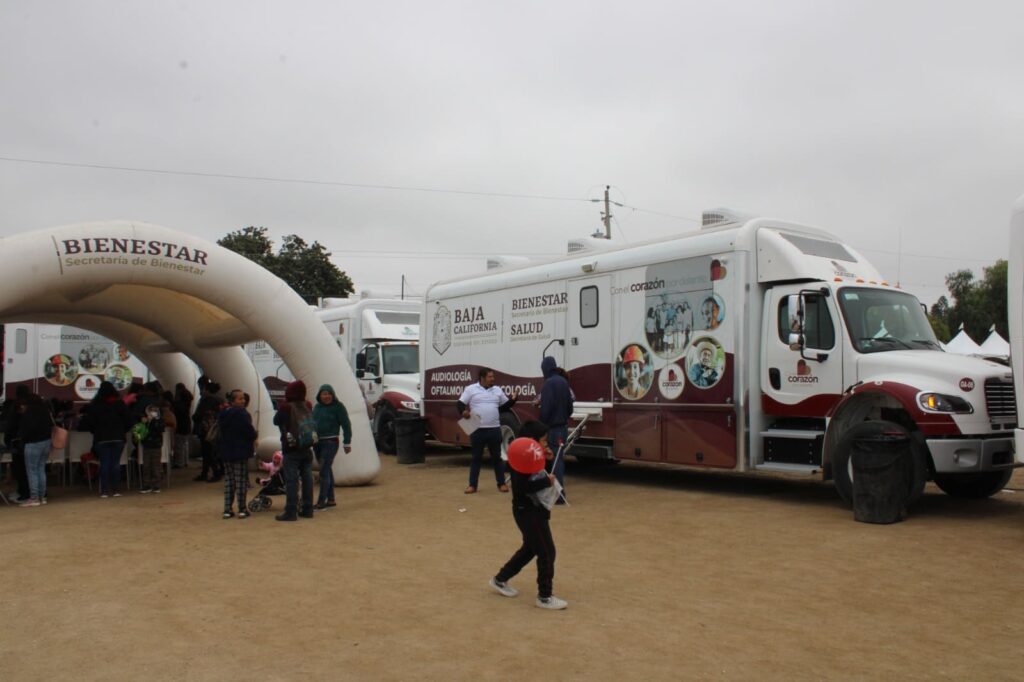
546 497
471 424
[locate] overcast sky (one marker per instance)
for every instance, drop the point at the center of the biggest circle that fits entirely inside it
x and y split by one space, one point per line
388 129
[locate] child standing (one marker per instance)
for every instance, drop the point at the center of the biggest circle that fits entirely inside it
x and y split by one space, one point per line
531 516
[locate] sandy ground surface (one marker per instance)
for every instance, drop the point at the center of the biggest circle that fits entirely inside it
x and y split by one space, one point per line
669 575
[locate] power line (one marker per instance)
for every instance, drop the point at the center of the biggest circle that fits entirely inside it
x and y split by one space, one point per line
297 181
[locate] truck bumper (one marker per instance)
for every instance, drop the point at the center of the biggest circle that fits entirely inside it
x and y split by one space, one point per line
955 456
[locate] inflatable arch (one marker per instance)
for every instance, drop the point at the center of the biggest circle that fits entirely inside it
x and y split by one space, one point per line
169 297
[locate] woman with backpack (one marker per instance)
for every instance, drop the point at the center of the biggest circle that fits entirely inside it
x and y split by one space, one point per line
294 418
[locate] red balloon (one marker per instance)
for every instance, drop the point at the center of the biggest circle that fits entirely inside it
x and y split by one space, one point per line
526 455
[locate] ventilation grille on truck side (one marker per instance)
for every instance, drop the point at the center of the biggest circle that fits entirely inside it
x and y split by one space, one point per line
1000 400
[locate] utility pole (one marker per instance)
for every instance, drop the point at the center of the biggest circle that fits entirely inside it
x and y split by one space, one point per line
403 287
607 215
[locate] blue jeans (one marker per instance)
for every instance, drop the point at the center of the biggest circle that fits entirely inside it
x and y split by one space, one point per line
109 453
556 434
298 464
325 453
36 455
491 437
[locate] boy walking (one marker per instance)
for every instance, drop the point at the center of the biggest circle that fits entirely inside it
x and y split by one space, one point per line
526 460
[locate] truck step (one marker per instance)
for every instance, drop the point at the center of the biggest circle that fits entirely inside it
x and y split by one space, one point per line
782 467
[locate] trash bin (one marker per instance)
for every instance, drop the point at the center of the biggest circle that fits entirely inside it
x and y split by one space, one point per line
880 473
409 440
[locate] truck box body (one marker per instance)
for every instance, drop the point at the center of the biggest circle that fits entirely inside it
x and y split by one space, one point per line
681 351
65 363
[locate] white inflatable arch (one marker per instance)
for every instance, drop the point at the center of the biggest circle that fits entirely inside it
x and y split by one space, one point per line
168 296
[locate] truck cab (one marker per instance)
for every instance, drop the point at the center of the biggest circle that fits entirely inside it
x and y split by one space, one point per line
388 372
849 353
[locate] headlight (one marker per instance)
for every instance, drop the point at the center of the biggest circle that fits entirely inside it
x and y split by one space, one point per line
939 402
411 405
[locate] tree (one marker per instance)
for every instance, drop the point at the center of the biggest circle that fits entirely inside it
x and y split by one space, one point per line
306 268
977 304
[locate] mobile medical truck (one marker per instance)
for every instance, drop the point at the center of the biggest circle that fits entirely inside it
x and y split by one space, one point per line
751 345
380 340
65 363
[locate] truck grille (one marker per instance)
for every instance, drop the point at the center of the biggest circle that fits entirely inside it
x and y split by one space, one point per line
999 399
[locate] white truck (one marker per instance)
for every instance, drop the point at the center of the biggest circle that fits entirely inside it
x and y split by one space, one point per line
63 362
751 345
380 340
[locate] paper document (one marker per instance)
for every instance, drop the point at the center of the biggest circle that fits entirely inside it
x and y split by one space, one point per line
470 425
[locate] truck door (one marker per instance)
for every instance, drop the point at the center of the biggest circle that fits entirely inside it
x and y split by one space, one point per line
370 382
588 343
795 381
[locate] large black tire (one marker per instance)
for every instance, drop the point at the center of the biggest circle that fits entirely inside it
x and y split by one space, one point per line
385 435
975 486
842 470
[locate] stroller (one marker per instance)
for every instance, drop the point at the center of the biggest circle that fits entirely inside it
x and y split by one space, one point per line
273 484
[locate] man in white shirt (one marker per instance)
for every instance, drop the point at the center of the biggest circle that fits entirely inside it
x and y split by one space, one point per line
485 400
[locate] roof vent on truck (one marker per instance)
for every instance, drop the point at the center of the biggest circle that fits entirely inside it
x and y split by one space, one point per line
590 244
716 217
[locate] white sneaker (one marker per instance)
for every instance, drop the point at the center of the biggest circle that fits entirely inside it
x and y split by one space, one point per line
553 603
104 496
504 589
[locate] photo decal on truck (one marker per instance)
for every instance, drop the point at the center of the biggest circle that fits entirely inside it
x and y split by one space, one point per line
634 372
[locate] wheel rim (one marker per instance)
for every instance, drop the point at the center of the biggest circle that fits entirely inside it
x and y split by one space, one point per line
507 436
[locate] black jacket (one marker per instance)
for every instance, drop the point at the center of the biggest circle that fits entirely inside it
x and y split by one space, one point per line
35 423
106 420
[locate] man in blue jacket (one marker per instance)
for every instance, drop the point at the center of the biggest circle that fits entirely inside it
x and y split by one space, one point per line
556 402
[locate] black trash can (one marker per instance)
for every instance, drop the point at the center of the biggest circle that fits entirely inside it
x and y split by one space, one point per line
409 440
881 465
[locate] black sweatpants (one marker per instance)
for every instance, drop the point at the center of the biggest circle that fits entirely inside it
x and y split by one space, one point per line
534 524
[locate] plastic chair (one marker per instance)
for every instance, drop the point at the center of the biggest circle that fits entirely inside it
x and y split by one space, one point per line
79 443
59 456
90 467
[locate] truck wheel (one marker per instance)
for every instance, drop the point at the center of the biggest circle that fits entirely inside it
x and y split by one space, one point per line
842 467
973 486
509 432
386 440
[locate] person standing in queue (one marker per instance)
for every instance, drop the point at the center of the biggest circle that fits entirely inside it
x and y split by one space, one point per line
331 422
237 444
293 419
108 419
485 400
556 404
202 423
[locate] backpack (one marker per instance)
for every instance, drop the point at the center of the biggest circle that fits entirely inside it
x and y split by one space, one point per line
302 427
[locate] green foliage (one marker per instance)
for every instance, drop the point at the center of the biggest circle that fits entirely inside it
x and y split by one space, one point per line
307 268
976 304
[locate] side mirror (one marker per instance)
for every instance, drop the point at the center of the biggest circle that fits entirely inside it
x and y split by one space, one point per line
795 311
360 373
360 362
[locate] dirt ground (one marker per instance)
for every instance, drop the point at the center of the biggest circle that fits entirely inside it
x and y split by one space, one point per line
669 575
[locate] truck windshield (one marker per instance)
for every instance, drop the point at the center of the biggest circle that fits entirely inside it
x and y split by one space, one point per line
401 359
879 320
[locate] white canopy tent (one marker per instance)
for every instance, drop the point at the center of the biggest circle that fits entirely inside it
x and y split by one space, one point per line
995 345
962 344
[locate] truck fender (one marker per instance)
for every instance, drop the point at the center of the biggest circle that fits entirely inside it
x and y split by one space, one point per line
394 399
866 402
